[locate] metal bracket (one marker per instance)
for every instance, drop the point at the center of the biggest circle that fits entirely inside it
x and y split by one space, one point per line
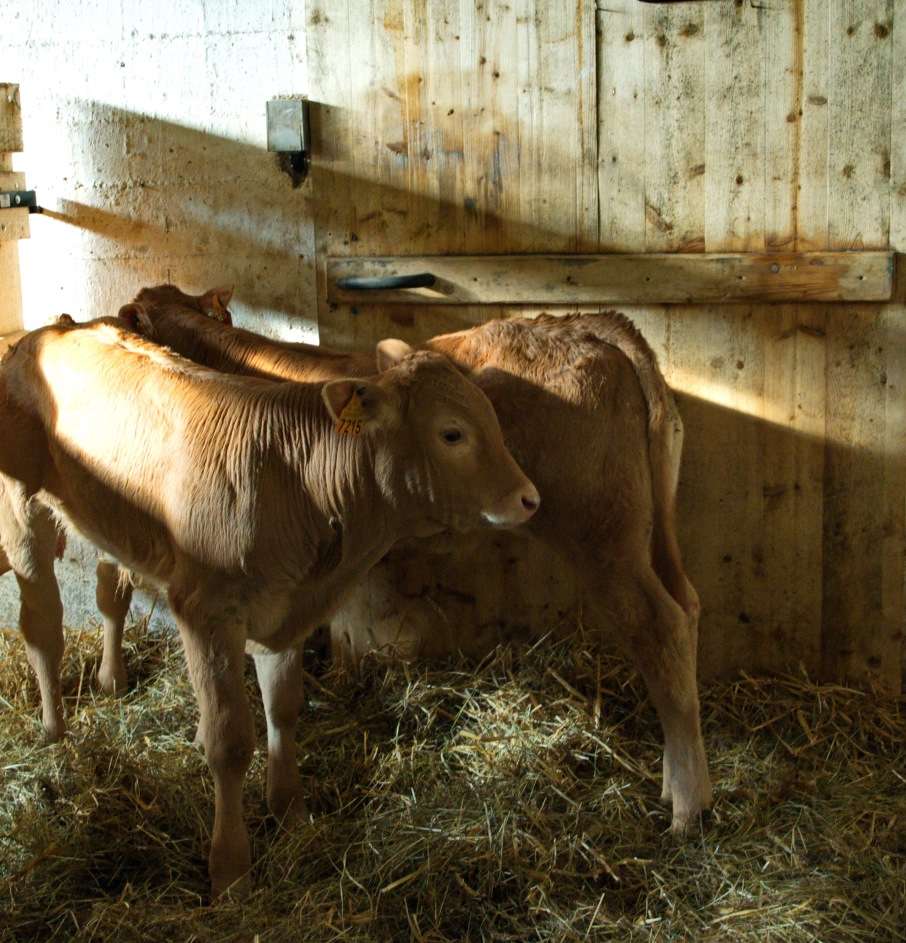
289 136
20 199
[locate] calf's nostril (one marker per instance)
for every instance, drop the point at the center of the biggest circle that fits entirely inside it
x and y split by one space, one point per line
530 504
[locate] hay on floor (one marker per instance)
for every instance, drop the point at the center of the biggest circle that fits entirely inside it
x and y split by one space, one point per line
516 799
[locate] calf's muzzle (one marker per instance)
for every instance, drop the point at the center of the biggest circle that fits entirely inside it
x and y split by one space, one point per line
515 508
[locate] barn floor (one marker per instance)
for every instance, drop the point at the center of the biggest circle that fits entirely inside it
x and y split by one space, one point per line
515 800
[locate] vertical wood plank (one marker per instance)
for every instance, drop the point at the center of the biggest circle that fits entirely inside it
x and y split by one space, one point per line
621 127
728 346
814 143
734 159
792 486
896 374
860 111
674 128
10 118
622 150
674 115
863 493
329 68
856 499
794 401
10 140
720 374
10 288
898 134
584 44
808 394
893 560
783 29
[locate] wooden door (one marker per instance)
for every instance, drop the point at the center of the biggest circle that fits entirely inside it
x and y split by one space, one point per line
526 126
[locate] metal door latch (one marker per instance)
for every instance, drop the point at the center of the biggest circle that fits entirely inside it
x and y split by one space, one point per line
20 199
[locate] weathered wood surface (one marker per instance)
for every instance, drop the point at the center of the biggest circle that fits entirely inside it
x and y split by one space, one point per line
10 289
775 127
10 118
429 114
689 278
7 340
13 222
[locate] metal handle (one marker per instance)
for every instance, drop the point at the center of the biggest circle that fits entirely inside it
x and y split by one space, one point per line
386 282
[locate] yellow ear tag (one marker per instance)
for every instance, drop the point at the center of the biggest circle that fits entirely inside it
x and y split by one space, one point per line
352 418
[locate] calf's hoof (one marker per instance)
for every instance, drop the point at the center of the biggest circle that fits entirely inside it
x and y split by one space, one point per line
287 805
223 887
55 730
687 810
112 681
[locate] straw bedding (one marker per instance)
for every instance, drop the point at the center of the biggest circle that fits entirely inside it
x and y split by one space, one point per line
512 799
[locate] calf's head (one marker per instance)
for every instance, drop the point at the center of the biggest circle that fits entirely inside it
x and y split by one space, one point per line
140 315
439 452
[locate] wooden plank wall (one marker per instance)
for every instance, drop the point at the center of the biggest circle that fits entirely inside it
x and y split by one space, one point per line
520 126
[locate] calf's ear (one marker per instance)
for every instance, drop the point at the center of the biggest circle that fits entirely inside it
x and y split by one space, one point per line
136 319
390 352
216 302
354 404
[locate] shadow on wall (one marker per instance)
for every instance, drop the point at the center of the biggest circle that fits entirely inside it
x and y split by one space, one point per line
762 549
781 528
147 201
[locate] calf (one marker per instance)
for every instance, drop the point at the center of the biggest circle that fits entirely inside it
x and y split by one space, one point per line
254 504
586 411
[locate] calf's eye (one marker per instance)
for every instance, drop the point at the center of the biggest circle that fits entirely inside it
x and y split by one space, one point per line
451 436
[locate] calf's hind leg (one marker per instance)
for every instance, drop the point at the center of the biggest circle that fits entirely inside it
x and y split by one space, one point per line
280 679
29 546
113 597
215 650
654 630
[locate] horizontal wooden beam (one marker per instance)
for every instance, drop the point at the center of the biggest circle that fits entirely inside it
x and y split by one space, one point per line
622 279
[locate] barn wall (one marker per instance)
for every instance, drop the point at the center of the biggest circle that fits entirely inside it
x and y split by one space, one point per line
144 136
144 127
525 126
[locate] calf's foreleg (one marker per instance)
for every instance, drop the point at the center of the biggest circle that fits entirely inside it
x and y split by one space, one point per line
214 643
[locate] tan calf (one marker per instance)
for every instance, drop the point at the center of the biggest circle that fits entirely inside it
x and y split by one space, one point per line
587 413
255 504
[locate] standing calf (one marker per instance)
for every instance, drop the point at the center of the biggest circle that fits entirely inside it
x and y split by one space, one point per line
586 411
255 504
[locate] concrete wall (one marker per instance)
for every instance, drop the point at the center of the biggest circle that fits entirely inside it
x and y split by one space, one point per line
144 128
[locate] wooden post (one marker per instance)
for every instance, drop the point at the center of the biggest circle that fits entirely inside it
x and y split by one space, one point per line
13 223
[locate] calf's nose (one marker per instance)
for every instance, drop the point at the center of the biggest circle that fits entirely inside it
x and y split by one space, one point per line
516 508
